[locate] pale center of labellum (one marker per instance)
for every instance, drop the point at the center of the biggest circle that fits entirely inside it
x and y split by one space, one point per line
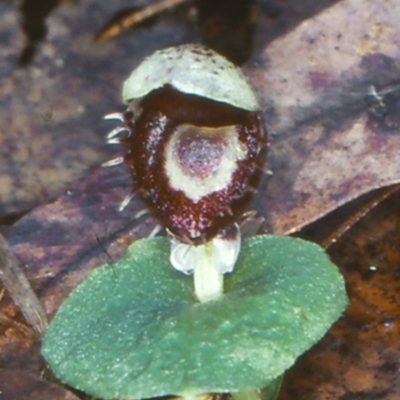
200 160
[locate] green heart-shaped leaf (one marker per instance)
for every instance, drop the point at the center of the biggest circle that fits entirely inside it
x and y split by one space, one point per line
133 330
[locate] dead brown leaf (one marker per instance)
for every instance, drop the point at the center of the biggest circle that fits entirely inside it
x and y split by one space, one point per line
329 145
359 357
18 385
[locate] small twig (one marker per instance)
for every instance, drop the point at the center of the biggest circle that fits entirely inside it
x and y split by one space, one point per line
26 330
20 290
251 223
361 212
135 18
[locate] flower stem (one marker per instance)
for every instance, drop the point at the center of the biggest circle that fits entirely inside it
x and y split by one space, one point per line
208 282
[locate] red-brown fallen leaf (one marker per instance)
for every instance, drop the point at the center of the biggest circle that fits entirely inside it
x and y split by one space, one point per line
360 357
51 127
315 116
327 146
59 244
18 385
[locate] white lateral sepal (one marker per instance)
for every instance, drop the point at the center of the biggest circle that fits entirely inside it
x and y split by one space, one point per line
208 261
226 250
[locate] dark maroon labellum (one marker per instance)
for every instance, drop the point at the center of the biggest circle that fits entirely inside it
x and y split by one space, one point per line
195 162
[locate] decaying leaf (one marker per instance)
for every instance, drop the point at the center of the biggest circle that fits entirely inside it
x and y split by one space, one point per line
327 145
51 127
330 90
18 385
359 358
